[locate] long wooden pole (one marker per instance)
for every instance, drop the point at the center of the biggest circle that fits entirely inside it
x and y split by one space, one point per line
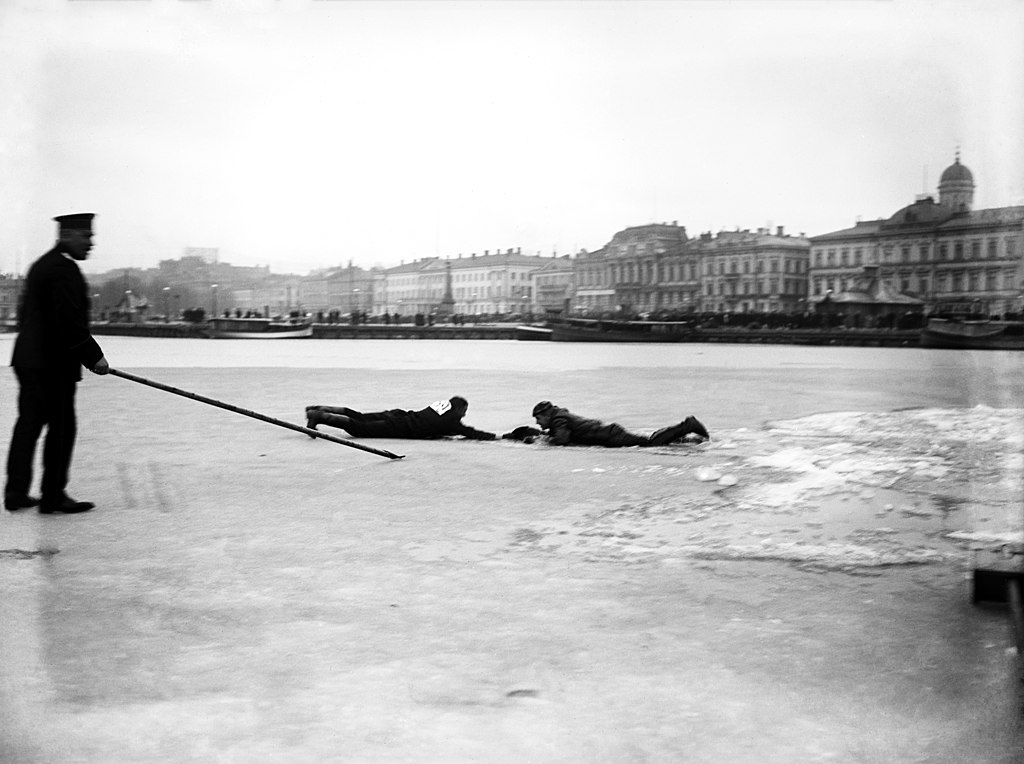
262 417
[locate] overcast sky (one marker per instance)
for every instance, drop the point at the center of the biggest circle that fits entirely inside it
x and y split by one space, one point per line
305 133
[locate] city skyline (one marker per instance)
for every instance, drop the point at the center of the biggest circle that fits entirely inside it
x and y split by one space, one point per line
302 135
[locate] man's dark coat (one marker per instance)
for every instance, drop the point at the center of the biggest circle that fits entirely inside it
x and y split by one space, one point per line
53 319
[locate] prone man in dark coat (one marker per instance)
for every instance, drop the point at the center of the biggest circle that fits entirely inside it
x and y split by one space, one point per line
438 420
564 428
53 344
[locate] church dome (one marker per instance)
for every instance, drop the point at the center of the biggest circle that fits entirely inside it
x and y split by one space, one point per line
956 187
956 172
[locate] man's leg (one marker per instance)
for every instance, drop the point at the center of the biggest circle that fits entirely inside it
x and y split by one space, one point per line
357 416
689 426
32 415
667 435
695 426
343 410
617 436
60 438
370 428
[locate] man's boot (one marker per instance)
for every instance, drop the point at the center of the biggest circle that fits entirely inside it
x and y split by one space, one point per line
667 435
693 425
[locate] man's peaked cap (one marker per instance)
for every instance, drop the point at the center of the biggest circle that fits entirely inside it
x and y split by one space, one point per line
78 221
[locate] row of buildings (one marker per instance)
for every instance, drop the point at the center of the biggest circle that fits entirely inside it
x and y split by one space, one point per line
935 250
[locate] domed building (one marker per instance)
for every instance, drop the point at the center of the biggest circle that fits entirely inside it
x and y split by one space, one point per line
956 187
941 251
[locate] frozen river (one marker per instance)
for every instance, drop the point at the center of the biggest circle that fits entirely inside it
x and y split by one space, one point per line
616 380
793 590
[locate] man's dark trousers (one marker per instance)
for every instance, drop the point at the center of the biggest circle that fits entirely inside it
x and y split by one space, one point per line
44 398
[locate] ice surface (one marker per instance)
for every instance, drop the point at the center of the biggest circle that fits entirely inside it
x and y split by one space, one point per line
244 593
850 472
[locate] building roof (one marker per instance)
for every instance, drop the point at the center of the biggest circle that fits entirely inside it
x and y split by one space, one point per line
923 213
734 239
414 267
863 229
926 215
992 216
497 259
868 289
641 232
556 264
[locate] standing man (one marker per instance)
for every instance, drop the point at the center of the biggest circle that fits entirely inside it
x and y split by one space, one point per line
53 345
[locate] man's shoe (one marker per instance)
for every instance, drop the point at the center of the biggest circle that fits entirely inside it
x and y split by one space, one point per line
66 506
693 425
14 502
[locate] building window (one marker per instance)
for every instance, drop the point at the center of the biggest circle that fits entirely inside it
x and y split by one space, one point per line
943 251
958 251
905 253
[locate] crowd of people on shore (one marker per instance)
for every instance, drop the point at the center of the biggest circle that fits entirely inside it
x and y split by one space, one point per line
832 318
775 320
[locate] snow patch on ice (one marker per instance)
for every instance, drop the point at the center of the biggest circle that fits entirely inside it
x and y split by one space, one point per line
811 491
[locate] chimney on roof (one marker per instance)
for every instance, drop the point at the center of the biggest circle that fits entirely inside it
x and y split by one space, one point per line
780 231
675 222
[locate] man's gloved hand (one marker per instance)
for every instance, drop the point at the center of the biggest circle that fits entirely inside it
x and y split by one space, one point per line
524 434
101 367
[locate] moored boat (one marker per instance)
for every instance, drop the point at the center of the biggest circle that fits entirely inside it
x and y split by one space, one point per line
603 330
260 328
973 334
533 333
